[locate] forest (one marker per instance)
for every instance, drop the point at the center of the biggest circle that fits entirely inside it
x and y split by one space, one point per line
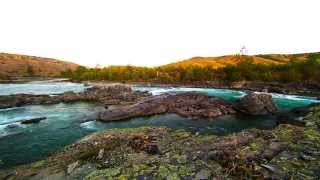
293 71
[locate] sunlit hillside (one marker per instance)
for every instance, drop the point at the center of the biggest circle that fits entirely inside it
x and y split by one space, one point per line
22 65
222 61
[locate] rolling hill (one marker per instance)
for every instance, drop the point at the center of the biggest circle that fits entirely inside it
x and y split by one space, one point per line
221 61
23 65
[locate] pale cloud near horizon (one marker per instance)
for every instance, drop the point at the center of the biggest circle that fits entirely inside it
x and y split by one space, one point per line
150 33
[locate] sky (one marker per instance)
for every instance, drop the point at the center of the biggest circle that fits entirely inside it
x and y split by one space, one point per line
156 32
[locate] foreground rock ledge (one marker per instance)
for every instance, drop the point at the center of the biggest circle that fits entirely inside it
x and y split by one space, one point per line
191 105
285 152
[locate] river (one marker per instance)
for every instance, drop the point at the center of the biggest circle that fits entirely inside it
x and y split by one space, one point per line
65 122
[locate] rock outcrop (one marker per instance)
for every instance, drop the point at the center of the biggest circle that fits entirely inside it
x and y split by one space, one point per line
27 99
105 95
286 152
256 104
191 105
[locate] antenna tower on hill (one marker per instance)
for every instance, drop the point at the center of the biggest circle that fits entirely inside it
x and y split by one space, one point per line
243 51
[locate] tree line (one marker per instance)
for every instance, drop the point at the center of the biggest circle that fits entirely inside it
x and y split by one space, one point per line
293 71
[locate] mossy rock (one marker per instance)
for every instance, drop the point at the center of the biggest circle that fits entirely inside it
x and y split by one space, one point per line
110 173
312 134
163 172
181 133
181 159
312 119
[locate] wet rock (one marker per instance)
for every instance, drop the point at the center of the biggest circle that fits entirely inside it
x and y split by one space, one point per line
269 167
100 154
72 166
256 104
11 126
203 174
33 120
191 105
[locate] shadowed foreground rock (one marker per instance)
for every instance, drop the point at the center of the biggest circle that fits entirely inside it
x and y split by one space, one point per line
256 104
191 105
287 152
109 95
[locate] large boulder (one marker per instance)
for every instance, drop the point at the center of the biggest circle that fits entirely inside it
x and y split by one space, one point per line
256 104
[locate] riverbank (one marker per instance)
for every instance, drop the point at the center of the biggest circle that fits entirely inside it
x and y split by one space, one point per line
285 152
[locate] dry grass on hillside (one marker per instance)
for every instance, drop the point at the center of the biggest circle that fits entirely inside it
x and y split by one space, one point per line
222 61
22 65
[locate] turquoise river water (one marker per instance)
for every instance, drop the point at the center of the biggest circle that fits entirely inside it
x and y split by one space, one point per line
65 122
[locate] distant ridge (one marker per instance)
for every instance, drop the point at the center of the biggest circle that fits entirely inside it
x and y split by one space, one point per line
23 65
221 61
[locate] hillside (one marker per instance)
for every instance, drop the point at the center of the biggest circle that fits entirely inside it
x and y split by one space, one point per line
22 65
222 61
